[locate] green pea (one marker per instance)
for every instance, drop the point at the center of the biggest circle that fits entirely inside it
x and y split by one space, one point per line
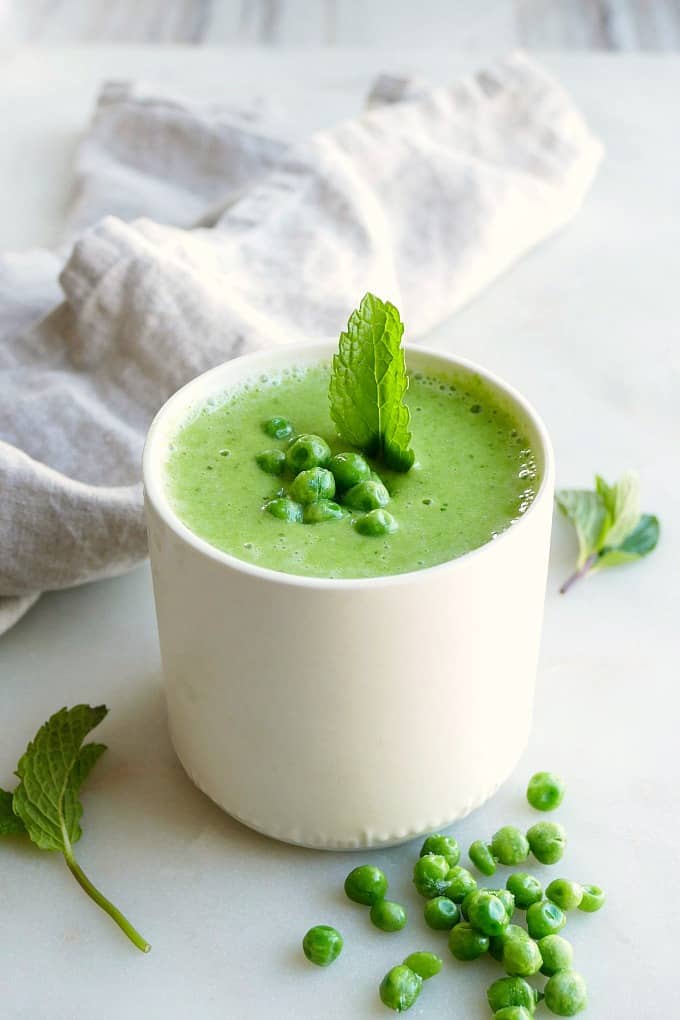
271 461
349 469
466 942
366 884
566 993
278 428
312 484
496 947
322 510
465 905
367 496
593 898
521 955
513 1013
322 945
511 931
545 918
307 452
461 883
376 523
480 855
426 965
442 846
441 913
283 508
525 888
545 791
487 913
510 846
388 915
400 988
556 954
547 841
567 895
512 991
430 875
507 899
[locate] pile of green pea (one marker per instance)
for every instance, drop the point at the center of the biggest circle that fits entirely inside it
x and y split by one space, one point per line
317 478
479 920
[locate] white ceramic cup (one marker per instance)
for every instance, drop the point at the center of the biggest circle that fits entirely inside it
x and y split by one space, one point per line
346 713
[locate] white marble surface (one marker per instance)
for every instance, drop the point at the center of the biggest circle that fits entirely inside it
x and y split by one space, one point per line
587 327
548 24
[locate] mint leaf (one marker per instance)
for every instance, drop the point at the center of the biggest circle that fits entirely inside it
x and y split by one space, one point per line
369 383
85 762
622 501
588 513
51 771
609 526
10 824
641 541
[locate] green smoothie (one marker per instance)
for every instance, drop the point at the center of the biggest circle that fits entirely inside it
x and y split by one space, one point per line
475 473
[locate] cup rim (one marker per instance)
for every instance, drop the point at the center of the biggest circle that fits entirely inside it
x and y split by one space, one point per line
156 442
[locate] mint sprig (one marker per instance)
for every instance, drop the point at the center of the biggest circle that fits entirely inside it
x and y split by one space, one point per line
46 802
610 528
369 383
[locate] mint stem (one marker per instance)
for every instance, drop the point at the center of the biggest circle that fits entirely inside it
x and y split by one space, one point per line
101 901
581 572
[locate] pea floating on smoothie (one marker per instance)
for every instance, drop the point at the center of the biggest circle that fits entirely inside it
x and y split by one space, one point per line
355 468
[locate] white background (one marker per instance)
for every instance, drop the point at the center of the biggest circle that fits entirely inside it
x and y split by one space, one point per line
587 327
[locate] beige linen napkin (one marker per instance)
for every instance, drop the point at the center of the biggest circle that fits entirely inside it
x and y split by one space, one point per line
424 199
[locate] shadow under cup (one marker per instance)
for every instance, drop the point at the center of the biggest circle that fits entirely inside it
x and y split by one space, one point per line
347 713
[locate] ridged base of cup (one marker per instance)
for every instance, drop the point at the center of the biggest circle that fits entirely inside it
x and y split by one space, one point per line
362 840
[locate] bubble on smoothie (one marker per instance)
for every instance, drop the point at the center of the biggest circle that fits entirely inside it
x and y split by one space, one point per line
252 551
